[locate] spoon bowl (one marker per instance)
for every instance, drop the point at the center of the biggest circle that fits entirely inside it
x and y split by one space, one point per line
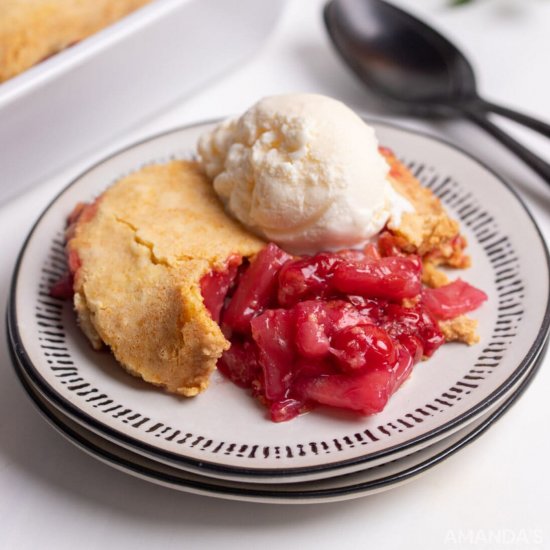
412 66
398 56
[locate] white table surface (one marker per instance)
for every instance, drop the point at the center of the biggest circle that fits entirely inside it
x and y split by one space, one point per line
493 494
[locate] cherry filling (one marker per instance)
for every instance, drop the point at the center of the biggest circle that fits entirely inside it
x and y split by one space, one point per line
329 329
63 288
449 301
338 329
215 286
257 289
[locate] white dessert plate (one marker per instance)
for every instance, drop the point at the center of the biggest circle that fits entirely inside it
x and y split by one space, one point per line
223 432
359 484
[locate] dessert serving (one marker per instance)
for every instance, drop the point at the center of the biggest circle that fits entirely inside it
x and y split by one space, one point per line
295 255
32 31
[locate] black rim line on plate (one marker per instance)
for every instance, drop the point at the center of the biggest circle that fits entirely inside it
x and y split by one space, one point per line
406 475
129 441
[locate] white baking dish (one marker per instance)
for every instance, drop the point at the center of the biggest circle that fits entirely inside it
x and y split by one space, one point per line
79 98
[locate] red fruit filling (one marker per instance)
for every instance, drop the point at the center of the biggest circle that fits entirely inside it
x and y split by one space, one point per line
327 275
391 278
413 326
216 284
273 332
240 363
63 288
338 329
357 348
452 300
257 289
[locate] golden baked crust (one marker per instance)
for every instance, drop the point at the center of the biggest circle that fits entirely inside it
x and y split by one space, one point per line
138 255
433 235
31 30
433 277
460 329
428 231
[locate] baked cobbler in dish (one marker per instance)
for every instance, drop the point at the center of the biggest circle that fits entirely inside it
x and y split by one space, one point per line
31 31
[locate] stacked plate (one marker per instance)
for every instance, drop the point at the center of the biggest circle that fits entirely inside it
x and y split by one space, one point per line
220 443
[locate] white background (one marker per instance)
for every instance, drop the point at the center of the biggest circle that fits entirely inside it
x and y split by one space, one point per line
54 496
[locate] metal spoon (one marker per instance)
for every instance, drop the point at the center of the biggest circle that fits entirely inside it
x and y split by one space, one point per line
405 61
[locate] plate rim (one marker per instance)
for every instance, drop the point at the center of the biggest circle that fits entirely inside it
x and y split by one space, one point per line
265 496
15 340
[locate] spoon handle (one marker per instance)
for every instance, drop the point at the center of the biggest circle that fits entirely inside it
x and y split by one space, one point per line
537 125
539 165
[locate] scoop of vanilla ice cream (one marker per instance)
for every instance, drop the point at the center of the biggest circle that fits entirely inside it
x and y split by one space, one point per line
304 171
